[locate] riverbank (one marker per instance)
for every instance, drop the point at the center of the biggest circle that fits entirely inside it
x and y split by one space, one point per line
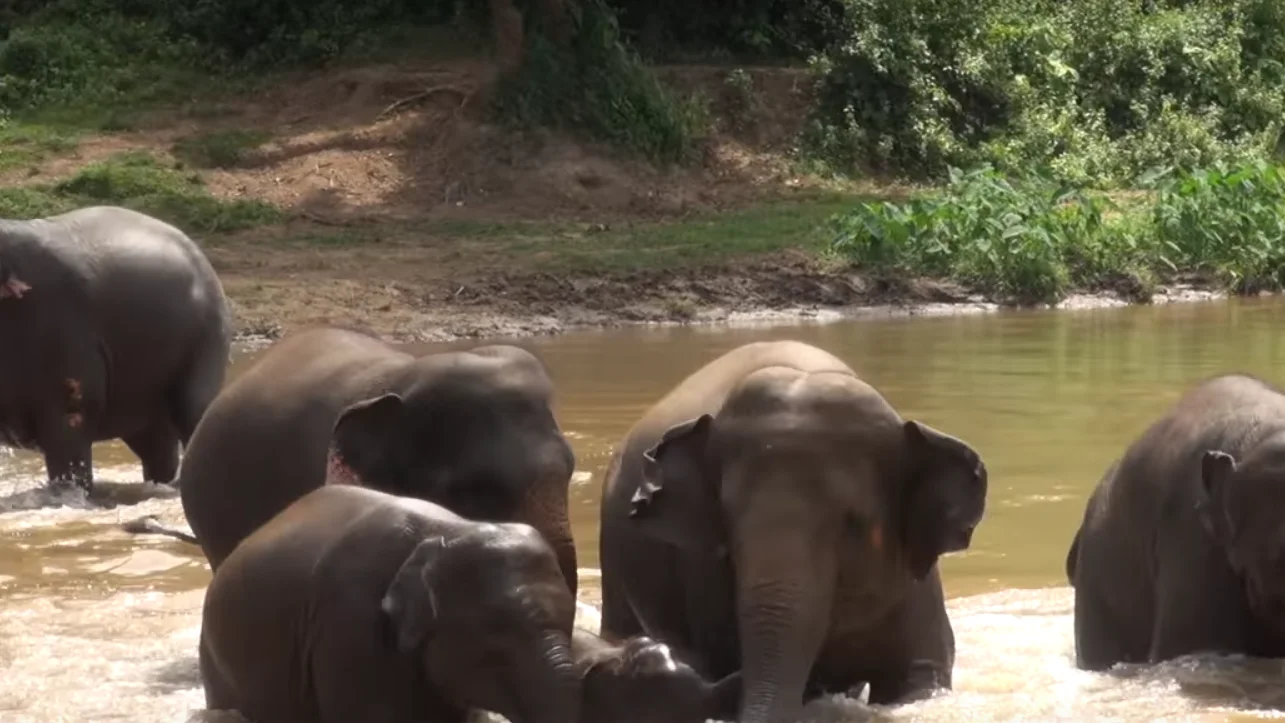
354 196
401 300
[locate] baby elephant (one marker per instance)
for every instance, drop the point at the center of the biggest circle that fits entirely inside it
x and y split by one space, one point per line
641 682
357 605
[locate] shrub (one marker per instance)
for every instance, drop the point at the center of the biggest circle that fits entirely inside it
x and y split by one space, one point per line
1020 238
776 28
1030 238
1230 221
1089 91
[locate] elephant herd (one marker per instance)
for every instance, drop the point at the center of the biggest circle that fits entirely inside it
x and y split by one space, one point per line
389 535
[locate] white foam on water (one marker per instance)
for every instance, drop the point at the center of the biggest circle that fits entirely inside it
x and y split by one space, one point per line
98 624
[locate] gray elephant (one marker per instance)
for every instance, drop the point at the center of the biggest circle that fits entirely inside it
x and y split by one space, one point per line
640 681
357 605
774 515
114 326
473 431
1180 547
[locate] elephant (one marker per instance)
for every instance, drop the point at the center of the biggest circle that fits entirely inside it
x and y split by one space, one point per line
773 514
640 681
358 605
473 431
115 326
1180 546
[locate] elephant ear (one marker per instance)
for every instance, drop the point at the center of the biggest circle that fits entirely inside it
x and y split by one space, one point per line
1216 467
410 602
673 501
947 496
367 439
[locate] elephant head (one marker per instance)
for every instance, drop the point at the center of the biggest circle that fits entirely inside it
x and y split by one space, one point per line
827 505
1241 508
641 682
490 616
473 432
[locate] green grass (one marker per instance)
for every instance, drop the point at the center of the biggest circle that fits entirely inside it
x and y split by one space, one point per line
140 182
23 144
762 230
219 149
581 247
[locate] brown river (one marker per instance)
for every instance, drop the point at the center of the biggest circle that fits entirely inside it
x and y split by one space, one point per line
100 625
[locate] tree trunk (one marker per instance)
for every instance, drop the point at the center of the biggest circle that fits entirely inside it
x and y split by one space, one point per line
510 35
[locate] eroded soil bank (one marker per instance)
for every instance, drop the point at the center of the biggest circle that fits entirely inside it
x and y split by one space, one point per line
391 296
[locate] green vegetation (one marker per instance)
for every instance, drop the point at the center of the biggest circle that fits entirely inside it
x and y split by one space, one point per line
595 84
139 182
1093 92
1032 239
25 144
581 247
219 149
1056 107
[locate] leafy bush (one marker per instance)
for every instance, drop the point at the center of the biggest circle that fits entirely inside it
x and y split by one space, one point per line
597 85
100 61
1230 221
1031 238
1090 91
778 28
1017 238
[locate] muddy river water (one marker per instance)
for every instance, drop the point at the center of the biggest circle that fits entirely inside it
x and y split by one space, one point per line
99 625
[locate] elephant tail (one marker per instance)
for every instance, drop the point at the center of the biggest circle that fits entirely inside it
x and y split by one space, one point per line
149 525
1071 556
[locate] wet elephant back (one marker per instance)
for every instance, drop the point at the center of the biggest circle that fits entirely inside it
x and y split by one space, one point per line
1153 487
704 392
263 442
142 288
327 557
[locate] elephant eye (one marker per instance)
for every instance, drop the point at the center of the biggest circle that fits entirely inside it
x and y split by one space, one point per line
855 523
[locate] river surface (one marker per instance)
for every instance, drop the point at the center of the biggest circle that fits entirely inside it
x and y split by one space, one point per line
100 625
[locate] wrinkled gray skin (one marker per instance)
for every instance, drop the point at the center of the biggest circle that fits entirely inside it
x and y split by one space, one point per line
114 326
356 605
774 515
1181 544
473 431
640 681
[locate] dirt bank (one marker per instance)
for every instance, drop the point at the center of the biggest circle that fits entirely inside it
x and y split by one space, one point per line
402 300
407 212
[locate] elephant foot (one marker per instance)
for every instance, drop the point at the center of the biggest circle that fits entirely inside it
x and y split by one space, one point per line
63 486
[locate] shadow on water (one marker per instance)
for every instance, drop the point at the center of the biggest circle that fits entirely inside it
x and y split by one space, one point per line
179 674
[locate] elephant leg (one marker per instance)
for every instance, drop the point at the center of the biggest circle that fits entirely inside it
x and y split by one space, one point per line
67 448
157 448
618 619
653 602
194 393
1100 640
218 694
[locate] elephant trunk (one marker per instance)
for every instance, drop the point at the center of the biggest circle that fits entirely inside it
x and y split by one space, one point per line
784 613
545 509
551 694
